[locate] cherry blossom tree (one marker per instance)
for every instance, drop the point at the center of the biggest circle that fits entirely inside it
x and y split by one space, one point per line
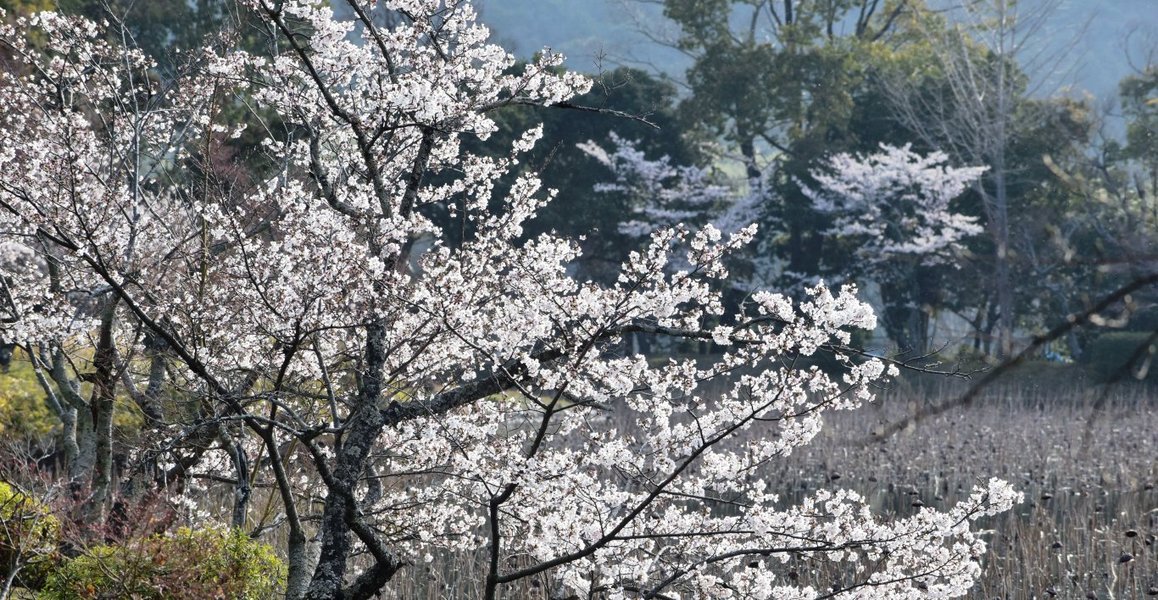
662 194
893 208
403 394
894 204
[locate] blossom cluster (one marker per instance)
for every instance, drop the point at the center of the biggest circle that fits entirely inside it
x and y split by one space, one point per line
896 203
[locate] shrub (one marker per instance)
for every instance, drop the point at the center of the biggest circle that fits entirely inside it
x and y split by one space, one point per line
29 537
24 414
190 564
23 411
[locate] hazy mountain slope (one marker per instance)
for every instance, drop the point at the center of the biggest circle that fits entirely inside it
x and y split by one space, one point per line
601 32
592 33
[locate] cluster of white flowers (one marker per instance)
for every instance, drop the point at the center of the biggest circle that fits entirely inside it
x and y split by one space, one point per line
664 194
509 418
895 203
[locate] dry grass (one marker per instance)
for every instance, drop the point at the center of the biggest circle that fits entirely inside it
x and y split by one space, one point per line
1089 526
1087 508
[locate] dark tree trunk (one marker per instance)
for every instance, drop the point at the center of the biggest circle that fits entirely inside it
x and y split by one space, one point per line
362 428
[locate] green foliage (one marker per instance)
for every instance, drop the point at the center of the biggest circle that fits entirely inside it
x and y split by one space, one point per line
160 26
29 537
577 210
25 7
791 83
1109 353
23 412
188 565
1140 105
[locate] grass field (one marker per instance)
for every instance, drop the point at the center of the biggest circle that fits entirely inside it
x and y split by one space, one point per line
1088 527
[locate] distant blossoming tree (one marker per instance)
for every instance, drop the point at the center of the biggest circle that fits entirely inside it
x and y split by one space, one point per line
893 208
894 205
662 195
403 394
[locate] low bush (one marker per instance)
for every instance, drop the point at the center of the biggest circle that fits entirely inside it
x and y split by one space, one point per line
187 565
29 537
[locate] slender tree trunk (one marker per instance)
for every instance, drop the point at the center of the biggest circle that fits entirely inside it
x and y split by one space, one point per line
241 489
102 403
990 324
977 323
65 411
68 439
298 560
748 152
920 330
150 401
13 569
81 429
1003 286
